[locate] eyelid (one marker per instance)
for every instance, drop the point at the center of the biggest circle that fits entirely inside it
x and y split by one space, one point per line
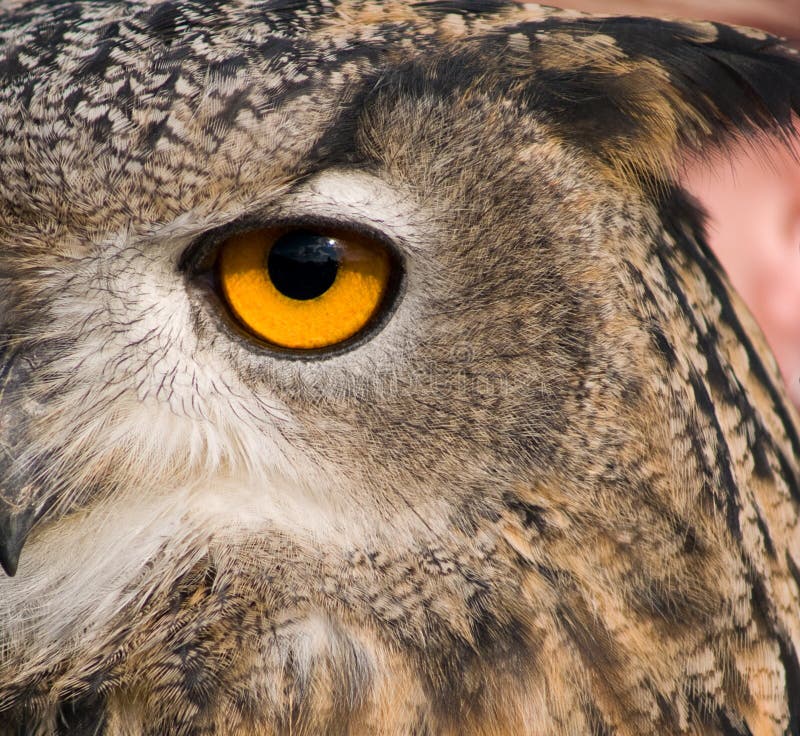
201 255
351 200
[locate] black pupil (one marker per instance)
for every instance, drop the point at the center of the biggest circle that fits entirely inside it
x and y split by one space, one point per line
303 264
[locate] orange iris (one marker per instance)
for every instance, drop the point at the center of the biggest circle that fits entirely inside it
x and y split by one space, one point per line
301 288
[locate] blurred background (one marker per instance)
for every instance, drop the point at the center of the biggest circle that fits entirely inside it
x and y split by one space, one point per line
753 200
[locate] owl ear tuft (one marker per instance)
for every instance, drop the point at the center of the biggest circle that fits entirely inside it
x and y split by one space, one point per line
643 93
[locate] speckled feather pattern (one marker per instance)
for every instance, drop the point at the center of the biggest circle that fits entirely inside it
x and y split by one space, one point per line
557 493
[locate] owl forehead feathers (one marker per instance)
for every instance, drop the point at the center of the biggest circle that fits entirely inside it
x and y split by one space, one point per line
128 113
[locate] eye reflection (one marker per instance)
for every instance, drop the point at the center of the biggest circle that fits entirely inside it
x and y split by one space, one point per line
303 265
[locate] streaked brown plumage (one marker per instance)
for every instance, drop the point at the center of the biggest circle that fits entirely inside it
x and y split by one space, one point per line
555 491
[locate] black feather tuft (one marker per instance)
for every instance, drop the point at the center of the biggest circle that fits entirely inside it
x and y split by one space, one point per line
640 92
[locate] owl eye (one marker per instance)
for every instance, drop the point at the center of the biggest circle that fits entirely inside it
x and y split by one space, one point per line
302 288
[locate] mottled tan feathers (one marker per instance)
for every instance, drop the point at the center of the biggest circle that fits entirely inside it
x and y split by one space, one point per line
554 491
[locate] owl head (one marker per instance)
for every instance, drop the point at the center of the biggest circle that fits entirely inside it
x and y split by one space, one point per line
368 358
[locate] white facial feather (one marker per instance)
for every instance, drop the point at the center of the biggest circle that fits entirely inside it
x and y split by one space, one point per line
211 463
359 198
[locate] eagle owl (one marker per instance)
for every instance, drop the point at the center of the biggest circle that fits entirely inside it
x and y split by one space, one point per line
365 372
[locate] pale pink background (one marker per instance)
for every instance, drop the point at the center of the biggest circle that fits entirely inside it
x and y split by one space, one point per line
753 199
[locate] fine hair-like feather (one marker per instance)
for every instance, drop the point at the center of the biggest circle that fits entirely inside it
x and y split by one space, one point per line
554 491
